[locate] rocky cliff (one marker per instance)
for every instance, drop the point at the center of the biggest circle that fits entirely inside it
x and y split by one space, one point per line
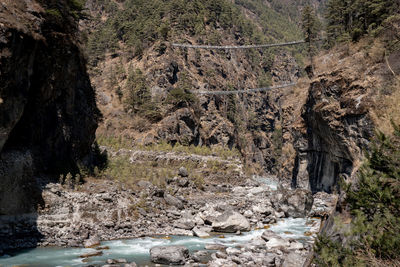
340 113
47 105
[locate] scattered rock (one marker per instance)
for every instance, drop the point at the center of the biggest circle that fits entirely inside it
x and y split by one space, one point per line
232 251
115 261
274 240
183 182
262 209
248 214
221 255
215 247
221 263
174 255
280 214
257 190
296 245
230 222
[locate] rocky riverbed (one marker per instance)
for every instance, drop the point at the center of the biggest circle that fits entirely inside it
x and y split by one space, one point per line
102 209
106 210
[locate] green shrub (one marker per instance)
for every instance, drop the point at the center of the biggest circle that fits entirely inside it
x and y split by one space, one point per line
375 206
139 96
181 95
333 254
54 12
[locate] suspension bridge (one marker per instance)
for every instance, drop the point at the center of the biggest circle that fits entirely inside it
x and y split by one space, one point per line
254 90
231 47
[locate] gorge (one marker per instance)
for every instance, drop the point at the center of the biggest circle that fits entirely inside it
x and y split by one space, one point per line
109 156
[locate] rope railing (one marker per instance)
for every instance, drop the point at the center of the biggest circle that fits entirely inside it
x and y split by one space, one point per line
225 47
243 91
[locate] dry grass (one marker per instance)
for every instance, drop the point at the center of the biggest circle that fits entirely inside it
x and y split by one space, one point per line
121 169
222 152
115 143
388 108
121 142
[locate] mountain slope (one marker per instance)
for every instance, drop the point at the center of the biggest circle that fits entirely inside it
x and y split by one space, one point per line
144 85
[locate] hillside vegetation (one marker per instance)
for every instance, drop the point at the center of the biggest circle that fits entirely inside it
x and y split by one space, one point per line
373 238
350 20
139 24
145 86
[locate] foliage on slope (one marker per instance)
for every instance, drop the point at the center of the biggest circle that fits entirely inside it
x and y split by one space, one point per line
274 24
139 23
350 20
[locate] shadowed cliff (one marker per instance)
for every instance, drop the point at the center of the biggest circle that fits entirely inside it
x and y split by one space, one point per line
48 114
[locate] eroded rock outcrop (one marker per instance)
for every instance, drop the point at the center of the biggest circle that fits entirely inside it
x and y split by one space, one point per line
338 129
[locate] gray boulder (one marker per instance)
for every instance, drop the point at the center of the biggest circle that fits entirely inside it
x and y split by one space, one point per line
274 240
173 201
294 259
201 232
324 204
299 203
185 223
201 256
183 172
175 255
144 184
230 222
92 242
268 234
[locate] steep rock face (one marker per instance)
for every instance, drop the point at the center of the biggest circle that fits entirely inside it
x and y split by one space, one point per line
338 130
338 118
47 105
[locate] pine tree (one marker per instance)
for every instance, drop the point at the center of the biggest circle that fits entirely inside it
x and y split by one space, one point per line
310 29
139 93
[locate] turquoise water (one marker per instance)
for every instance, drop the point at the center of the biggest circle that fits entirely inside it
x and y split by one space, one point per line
137 250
